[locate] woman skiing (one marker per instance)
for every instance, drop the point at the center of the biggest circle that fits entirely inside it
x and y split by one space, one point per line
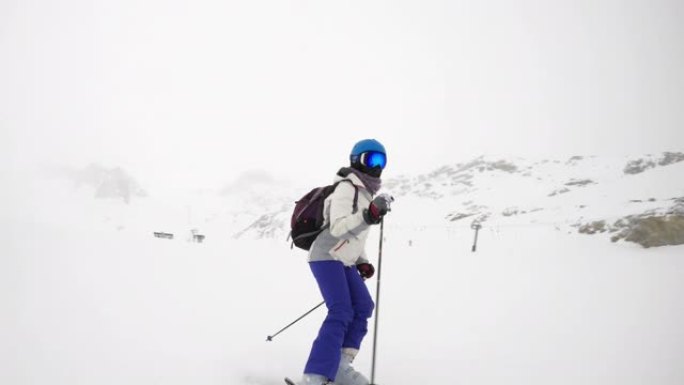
338 261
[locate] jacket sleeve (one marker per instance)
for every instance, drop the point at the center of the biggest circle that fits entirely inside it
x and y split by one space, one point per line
344 224
363 258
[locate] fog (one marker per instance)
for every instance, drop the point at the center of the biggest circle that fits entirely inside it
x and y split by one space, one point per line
195 93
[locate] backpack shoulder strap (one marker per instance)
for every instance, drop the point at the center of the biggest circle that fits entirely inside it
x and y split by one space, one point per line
355 206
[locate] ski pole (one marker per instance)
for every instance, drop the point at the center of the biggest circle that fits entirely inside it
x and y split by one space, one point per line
270 338
377 304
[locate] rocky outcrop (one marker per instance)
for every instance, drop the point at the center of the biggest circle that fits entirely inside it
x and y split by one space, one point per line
640 165
652 228
652 231
269 225
593 227
448 180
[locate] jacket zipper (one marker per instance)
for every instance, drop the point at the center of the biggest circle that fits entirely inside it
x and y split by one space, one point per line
342 244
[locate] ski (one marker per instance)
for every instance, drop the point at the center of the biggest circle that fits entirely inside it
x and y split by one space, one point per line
290 382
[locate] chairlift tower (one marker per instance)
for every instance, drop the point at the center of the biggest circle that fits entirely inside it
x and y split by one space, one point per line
475 226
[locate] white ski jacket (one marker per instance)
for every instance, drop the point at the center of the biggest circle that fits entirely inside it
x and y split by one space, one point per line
345 233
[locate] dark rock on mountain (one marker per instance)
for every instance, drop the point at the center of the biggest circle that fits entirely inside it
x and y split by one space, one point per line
652 231
640 165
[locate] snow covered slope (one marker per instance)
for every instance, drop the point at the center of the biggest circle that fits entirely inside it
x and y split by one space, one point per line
498 192
89 296
562 194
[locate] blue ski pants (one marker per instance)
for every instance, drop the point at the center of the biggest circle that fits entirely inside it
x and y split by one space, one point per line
349 306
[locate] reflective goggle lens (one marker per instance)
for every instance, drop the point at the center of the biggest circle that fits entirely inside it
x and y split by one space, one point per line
374 159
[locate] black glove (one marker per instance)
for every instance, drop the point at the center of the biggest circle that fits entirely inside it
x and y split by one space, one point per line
366 270
377 209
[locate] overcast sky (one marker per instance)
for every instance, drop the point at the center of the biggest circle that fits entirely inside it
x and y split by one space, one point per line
194 92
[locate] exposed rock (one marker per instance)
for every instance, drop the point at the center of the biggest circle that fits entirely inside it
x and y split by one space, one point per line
677 208
574 160
510 211
503 165
653 231
580 182
640 165
671 158
560 191
482 165
653 228
457 216
447 180
482 218
266 226
593 227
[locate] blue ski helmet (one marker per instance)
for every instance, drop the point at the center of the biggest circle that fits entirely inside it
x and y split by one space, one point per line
369 156
367 145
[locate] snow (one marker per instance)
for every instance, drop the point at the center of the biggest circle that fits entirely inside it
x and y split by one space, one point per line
90 297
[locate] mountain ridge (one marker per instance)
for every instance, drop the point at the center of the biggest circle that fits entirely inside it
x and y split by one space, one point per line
609 196
572 193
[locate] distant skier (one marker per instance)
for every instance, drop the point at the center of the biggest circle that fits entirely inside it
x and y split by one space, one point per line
338 261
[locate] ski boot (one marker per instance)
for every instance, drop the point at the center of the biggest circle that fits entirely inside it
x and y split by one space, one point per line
346 375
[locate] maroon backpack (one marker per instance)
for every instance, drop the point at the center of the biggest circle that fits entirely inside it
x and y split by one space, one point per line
307 219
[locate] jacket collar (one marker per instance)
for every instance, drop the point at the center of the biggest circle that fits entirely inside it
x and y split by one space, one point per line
345 173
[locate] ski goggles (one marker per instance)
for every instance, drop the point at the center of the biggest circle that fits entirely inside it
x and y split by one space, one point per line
373 159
